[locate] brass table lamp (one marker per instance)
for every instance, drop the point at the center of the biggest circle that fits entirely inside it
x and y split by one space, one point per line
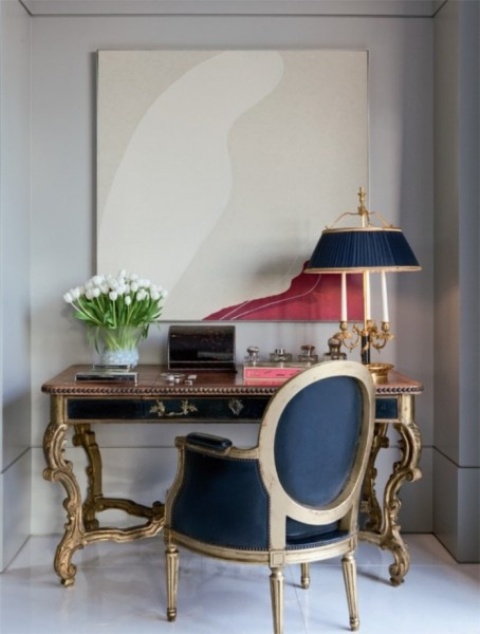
364 249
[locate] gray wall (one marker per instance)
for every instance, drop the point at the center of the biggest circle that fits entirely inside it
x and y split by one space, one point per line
62 220
457 263
15 421
63 214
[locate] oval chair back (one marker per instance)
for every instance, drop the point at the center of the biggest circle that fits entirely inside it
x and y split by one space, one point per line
314 444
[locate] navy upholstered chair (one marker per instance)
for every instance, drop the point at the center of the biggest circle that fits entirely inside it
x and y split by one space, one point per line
292 499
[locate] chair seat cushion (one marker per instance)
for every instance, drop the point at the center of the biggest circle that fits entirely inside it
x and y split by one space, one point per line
304 535
313 541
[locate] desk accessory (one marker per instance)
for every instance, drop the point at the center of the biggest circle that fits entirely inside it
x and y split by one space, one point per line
108 374
197 348
178 379
334 353
280 364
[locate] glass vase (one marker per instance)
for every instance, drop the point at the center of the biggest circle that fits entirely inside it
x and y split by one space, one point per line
117 346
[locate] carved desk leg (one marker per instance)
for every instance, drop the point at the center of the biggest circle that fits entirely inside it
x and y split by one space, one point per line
82 527
406 469
85 437
60 470
388 535
370 505
95 501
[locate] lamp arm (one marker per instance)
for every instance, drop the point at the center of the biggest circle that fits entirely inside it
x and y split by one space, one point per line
385 223
345 213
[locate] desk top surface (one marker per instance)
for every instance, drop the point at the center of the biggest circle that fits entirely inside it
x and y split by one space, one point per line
152 381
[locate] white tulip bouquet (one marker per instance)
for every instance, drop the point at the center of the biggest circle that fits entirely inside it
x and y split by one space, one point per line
117 305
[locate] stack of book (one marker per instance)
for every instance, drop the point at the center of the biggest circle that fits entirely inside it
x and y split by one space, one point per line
271 373
108 374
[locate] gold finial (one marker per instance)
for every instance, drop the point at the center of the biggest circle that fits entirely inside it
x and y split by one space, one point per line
362 209
362 195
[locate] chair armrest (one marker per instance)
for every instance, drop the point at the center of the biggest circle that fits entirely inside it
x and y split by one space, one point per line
218 496
209 441
215 446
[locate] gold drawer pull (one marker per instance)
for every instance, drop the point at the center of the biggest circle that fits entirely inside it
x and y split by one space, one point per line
160 410
235 405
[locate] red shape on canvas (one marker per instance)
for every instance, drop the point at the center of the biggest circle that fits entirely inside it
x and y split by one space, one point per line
310 297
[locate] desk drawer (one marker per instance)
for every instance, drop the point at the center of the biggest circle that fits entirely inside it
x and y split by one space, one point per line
217 409
203 409
386 408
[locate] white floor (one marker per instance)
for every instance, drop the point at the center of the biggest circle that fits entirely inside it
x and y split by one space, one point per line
120 589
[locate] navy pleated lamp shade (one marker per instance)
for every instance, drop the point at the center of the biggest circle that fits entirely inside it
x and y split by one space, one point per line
356 249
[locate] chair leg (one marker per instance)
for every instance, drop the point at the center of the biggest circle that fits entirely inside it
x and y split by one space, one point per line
171 556
350 577
276 592
305 575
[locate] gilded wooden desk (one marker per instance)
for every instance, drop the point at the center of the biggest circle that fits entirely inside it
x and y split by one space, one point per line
77 407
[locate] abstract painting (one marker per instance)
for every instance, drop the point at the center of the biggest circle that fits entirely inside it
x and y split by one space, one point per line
218 170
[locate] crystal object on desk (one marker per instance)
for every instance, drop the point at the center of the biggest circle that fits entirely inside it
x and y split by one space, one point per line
253 356
280 355
308 355
334 353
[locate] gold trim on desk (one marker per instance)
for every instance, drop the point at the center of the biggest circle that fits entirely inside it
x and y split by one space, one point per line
214 396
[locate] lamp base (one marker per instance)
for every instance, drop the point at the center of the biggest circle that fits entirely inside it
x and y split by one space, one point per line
379 371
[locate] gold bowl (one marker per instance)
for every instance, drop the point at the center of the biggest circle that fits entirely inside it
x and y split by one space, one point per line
379 371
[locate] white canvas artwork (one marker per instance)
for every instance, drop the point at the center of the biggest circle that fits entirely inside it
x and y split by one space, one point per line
218 170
